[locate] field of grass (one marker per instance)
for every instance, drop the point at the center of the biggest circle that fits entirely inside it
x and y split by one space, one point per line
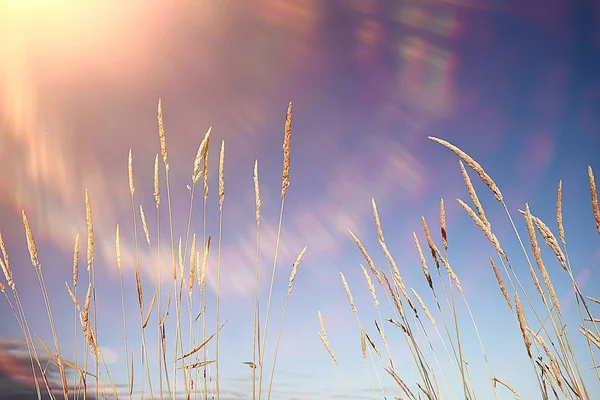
185 369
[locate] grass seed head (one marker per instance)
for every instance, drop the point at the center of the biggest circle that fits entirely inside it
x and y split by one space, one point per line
33 253
559 217
443 225
222 175
156 183
473 164
76 260
130 173
594 195
161 134
286 151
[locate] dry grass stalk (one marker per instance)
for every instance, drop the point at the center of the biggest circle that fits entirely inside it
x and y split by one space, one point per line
377 220
256 193
474 166
118 248
84 317
538 258
222 175
424 307
6 267
430 242
192 264
363 343
367 257
392 292
286 151
484 228
156 183
200 346
145 225
402 288
130 173
2 287
506 385
7 274
559 217
327 347
33 253
205 170
373 345
594 195
371 286
295 269
400 382
381 334
523 325
443 225
201 150
4 252
138 283
202 275
391 261
322 324
180 258
591 336
348 293
72 295
554 367
149 312
76 260
450 271
161 134
473 195
550 240
501 283
90 231
422 260
592 299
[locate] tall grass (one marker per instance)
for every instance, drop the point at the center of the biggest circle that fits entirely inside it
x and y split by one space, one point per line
547 341
400 309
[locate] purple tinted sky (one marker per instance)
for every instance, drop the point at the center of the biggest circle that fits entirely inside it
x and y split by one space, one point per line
513 83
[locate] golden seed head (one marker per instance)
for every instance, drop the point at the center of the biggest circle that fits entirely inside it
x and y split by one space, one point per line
130 170
594 195
145 225
370 285
76 260
201 150
443 225
204 262
559 218
295 269
161 133
222 175
473 164
377 220
501 283
370 262
256 192
156 183
286 151
118 248
90 229
33 253
348 293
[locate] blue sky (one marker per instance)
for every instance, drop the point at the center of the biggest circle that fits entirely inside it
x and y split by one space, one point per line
514 84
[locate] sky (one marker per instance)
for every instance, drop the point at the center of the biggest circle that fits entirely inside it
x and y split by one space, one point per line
515 84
